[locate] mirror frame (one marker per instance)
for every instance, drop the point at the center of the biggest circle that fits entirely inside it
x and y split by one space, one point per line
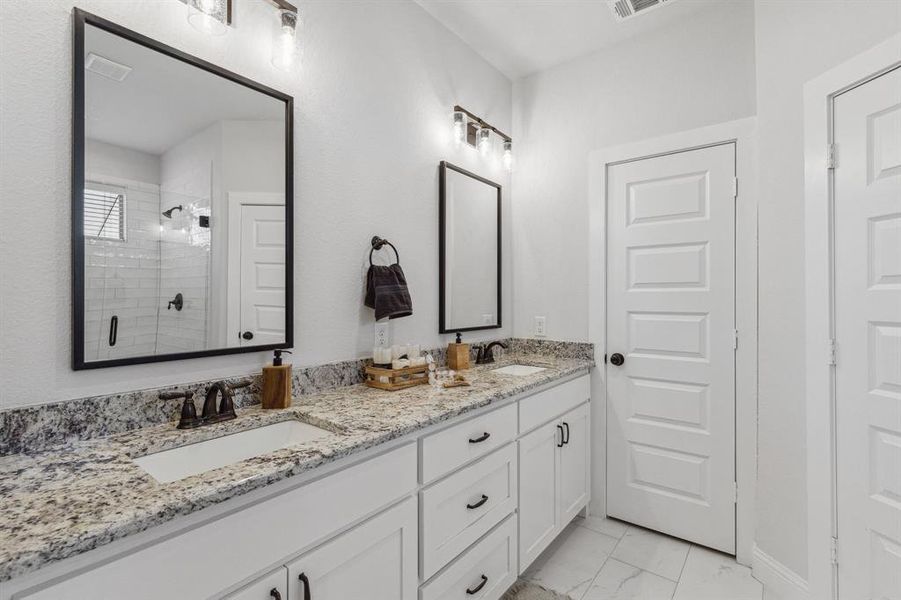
81 19
442 248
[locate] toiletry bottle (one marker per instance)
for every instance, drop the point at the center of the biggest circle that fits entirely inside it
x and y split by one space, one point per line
458 354
277 383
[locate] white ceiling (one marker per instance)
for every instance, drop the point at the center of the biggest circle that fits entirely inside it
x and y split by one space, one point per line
163 101
520 37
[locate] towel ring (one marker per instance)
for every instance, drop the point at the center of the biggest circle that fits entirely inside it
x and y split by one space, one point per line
377 244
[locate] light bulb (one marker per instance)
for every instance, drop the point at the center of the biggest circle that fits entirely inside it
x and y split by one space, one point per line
206 16
283 49
508 155
484 141
459 127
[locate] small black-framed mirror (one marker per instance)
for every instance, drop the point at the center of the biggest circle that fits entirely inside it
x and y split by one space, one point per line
182 204
469 266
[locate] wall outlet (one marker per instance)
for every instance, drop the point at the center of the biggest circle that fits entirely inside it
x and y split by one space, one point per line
381 335
540 326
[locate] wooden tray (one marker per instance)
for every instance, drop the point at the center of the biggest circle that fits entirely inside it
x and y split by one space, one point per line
397 379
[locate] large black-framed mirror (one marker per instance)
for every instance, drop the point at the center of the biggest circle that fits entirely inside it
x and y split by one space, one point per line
469 266
182 204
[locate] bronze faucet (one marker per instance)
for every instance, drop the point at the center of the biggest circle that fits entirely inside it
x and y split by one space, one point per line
211 413
485 355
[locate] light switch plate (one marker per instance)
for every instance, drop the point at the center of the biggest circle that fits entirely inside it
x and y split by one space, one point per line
540 326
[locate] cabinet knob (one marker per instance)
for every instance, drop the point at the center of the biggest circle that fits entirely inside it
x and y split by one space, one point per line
274 593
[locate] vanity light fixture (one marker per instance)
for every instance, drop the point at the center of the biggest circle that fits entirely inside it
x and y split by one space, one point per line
209 16
476 132
508 155
459 127
284 47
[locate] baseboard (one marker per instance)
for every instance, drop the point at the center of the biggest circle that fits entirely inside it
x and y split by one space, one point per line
779 582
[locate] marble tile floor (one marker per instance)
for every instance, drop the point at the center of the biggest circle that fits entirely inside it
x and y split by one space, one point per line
597 558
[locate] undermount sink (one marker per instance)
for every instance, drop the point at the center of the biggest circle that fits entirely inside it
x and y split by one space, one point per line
194 459
518 370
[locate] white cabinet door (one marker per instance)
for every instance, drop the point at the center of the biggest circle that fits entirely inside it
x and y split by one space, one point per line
671 316
375 561
273 586
574 479
538 484
868 337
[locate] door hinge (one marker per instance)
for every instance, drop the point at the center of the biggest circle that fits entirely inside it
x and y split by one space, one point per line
735 339
831 353
735 187
735 492
834 551
831 156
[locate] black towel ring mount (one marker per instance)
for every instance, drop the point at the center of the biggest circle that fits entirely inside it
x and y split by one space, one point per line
378 243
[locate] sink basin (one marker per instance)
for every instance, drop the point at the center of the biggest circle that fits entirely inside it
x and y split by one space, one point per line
185 461
518 370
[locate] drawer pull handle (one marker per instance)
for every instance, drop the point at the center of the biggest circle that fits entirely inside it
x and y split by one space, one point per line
566 426
480 439
274 593
478 504
306 586
478 588
560 429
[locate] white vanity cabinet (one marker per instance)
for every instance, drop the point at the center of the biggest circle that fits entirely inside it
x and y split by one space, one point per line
453 512
375 561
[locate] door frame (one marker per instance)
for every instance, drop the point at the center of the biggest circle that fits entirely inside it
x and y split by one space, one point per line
819 94
742 132
237 200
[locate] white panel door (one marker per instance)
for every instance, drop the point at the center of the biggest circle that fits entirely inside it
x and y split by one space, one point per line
376 561
867 130
671 316
262 275
538 483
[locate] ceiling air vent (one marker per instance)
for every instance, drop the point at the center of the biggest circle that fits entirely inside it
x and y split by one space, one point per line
106 67
625 9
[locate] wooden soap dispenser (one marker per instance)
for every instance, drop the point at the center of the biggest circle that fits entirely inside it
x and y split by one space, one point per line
458 355
277 383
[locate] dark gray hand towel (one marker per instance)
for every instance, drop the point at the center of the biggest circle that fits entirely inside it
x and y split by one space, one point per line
387 293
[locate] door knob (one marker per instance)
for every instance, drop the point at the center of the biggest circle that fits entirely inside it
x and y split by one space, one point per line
247 335
617 359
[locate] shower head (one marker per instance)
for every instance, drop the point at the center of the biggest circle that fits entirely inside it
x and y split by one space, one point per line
168 213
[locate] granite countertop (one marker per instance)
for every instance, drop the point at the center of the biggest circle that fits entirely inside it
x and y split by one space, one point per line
68 500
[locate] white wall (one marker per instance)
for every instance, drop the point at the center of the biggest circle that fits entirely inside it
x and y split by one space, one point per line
796 41
373 97
693 74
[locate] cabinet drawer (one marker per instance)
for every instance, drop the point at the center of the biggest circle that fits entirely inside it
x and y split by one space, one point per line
549 404
273 586
488 567
446 450
458 510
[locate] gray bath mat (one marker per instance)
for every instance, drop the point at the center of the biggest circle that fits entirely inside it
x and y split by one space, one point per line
524 590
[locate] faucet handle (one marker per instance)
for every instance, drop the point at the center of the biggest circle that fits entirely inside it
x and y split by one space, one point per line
173 395
188 419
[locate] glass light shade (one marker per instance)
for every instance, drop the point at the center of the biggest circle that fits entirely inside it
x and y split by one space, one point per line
508 155
284 47
459 127
484 141
207 16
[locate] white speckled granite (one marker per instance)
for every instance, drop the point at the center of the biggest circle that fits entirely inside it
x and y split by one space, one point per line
59 503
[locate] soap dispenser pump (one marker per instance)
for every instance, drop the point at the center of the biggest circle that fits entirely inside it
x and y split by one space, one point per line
277 382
